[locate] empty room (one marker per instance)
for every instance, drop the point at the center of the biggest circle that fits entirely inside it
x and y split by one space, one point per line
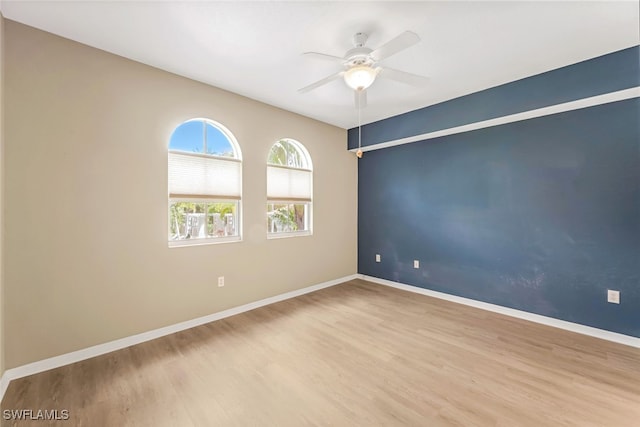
323 213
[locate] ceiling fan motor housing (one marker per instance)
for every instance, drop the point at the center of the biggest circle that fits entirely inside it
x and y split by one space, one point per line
359 55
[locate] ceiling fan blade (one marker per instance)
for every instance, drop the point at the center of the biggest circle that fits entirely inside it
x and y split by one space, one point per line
404 77
321 82
360 98
324 56
393 46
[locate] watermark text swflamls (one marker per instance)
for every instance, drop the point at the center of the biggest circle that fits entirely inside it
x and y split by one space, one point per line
36 414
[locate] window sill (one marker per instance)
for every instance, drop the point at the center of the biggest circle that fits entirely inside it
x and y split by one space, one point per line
285 235
201 242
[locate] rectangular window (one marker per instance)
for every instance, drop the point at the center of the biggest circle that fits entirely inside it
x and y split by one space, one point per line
286 219
203 221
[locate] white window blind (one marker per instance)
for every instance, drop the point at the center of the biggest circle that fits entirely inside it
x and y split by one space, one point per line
200 176
288 184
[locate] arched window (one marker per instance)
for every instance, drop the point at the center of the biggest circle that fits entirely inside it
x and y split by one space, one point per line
289 189
205 184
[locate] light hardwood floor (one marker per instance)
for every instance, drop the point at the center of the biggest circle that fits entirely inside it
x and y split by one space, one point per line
356 354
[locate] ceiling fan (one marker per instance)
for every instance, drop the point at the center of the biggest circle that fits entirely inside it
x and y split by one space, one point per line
361 65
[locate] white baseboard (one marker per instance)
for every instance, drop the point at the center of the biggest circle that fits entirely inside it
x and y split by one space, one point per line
549 321
4 383
100 349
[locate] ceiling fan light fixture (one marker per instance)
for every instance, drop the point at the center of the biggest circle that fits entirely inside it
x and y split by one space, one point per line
359 77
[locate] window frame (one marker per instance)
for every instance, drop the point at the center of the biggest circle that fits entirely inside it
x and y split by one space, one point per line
205 198
308 167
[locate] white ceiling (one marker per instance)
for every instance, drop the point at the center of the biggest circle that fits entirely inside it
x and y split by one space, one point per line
254 48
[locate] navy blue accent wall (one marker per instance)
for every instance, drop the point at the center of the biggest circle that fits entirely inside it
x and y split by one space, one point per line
609 73
541 215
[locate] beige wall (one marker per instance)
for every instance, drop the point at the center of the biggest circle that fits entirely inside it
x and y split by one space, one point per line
86 195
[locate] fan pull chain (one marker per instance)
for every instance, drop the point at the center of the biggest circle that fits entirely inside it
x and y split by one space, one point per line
359 152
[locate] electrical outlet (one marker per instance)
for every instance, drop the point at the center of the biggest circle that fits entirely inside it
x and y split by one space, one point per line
377 257
220 281
416 263
613 296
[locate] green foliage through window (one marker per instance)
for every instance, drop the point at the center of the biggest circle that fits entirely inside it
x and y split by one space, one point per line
196 220
287 217
288 153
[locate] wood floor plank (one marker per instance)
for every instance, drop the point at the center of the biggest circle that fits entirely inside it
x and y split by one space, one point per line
356 354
